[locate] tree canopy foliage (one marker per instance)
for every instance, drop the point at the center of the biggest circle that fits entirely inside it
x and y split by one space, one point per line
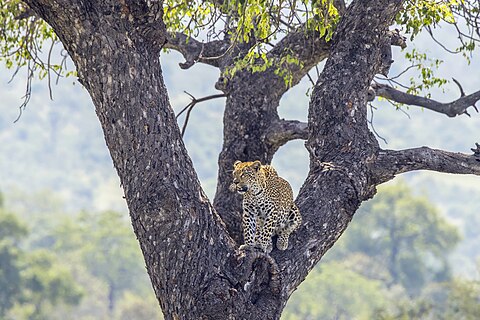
253 24
78 267
394 258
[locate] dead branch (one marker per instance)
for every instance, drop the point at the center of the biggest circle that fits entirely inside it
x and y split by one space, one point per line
192 104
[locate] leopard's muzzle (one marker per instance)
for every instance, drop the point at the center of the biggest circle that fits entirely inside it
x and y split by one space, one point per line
238 188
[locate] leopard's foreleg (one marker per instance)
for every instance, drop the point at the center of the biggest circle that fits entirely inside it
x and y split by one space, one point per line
249 225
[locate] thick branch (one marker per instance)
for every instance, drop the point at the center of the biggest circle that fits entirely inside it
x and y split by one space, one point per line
451 109
195 51
392 162
340 5
310 49
397 39
307 46
283 131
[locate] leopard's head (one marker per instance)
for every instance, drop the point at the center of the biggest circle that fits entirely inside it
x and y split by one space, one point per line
247 176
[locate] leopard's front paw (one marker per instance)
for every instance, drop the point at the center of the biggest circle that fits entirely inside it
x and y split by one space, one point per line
282 245
245 247
255 247
282 242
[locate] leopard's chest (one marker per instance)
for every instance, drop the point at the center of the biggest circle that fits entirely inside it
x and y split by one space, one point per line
261 205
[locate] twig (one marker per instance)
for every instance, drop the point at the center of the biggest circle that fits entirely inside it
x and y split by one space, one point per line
462 93
28 91
192 104
373 127
311 80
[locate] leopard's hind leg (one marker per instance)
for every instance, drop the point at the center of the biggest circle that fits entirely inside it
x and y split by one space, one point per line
292 223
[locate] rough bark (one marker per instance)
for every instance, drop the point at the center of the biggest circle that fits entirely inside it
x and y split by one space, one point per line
392 162
189 249
250 108
115 47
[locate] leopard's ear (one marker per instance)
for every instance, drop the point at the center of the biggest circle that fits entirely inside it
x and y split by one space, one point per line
256 165
236 163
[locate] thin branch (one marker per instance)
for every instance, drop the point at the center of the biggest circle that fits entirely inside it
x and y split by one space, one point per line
450 109
192 104
392 162
372 108
462 93
401 73
28 91
399 108
430 32
310 79
49 67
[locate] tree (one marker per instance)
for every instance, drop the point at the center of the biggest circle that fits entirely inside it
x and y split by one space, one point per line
395 225
406 235
32 282
105 247
190 244
456 299
11 231
328 287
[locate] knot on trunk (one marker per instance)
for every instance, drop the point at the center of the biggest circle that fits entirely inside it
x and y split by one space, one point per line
257 271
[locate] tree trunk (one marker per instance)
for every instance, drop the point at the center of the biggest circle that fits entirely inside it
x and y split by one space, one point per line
250 110
111 298
191 258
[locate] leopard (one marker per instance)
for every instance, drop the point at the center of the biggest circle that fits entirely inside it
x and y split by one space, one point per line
268 205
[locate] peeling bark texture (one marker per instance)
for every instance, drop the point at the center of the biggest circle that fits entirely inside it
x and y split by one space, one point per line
190 245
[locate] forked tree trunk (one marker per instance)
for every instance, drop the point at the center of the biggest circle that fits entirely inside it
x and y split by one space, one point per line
191 257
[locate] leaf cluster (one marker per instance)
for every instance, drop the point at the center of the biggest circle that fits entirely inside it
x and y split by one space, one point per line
252 27
23 36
